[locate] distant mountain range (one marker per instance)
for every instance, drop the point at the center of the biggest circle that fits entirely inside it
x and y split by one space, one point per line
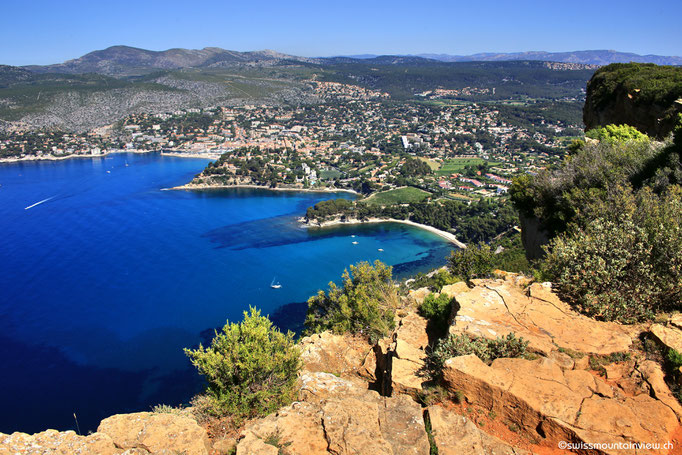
126 61
596 57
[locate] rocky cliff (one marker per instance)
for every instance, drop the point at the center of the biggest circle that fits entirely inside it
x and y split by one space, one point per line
587 382
645 96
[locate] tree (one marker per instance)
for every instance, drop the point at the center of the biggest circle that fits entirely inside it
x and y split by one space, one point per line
251 368
365 304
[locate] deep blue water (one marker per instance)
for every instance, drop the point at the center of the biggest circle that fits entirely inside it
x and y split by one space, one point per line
102 285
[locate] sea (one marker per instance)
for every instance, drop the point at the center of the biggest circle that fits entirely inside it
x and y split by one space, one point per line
106 275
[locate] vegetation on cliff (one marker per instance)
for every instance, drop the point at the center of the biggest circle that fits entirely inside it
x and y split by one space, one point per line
645 96
364 304
612 212
250 368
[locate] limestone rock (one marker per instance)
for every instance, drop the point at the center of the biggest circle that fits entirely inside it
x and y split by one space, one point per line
546 401
339 416
402 425
342 355
296 429
669 337
54 442
418 295
654 376
495 308
454 289
456 435
409 354
156 433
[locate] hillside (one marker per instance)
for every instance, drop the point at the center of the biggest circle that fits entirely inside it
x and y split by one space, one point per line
645 96
104 86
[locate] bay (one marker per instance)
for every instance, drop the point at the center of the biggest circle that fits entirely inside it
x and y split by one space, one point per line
108 278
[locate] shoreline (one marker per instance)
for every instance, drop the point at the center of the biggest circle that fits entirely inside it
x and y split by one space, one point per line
446 235
175 153
260 187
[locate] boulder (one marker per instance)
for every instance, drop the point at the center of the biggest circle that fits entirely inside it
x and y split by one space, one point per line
55 442
669 337
339 416
342 355
653 375
156 433
494 308
409 354
456 435
545 401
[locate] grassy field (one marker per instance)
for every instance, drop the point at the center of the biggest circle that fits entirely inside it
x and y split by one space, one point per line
432 164
403 195
328 174
458 164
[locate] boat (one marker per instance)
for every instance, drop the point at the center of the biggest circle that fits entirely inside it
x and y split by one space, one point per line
275 285
380 249
353 235
355 243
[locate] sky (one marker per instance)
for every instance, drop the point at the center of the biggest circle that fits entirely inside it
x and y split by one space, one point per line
52 31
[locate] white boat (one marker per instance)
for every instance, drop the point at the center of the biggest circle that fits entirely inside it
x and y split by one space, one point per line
275 285
380 249
355 243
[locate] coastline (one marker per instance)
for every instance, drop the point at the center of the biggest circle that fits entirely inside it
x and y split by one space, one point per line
175 153
189 186
446 235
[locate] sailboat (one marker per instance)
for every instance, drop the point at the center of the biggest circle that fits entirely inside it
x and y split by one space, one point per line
275 285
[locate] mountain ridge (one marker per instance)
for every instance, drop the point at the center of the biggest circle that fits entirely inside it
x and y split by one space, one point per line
126 60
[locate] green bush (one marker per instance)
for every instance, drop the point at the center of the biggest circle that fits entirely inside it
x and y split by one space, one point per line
365 303
617 134
251 368
474 261
485 349
437 311
626 264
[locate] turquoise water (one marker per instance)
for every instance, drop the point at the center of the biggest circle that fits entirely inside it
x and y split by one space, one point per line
104 283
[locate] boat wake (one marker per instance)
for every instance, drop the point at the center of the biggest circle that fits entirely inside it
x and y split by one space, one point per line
38 203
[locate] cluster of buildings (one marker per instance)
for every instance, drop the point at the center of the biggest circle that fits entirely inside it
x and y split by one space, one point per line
363 138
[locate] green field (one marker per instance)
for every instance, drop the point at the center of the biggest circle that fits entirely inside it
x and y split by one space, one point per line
403 195
457 165
329 174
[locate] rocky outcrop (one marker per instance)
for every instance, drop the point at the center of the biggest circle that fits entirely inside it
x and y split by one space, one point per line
357 398
454 434
644 96
494 308
141 433
53 442
338 416
156 433
560 405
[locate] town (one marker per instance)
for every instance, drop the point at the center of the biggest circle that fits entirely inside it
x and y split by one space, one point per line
355 138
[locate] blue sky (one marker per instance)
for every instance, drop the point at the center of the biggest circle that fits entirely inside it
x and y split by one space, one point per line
51 31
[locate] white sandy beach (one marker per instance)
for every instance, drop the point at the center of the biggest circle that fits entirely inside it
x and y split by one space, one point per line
446 235
302 190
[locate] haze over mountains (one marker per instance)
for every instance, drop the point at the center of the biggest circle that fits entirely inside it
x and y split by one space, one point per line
125 60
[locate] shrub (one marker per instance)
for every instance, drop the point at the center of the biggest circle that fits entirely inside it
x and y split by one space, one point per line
250 368
617 134
365 304
474 261
626 265
485 349
437 311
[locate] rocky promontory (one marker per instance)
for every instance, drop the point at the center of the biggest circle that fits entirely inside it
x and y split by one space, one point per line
595 385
